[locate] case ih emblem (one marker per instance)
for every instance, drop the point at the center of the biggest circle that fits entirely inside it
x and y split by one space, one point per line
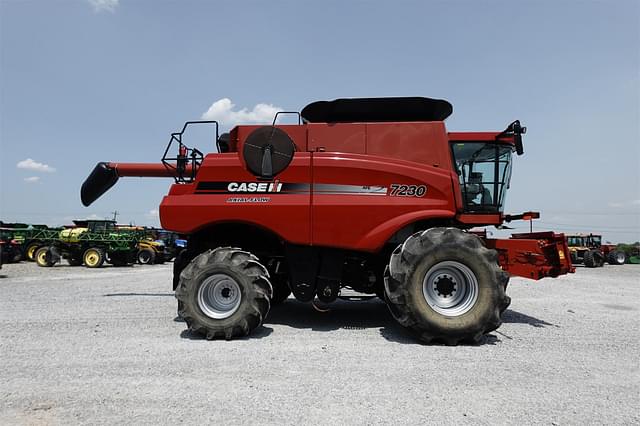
275 186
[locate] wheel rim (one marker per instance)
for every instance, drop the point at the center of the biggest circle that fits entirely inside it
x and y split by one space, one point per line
91 258
42 258
620 257
219 296
450 288
144 257
31 251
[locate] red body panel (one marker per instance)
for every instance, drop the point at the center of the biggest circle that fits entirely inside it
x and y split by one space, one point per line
347 155
366 221
186 210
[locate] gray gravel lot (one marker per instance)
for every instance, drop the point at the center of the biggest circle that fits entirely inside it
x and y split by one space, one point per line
102 347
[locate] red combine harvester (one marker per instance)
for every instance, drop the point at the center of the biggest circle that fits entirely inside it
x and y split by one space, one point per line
368 194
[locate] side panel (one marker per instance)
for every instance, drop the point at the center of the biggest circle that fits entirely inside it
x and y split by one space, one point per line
337 138
359 201
424 143
211 199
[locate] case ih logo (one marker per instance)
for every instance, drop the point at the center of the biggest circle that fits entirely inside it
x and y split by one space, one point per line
250 187
275 187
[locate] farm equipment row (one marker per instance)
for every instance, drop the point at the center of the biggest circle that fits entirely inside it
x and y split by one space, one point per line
88 242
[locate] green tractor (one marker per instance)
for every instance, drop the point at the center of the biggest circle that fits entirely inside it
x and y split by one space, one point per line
90 242
31 237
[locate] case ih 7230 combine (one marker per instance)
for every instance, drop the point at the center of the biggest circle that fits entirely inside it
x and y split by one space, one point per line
369 194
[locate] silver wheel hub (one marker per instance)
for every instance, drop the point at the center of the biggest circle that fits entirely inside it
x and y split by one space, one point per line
620 257
219 296
450 288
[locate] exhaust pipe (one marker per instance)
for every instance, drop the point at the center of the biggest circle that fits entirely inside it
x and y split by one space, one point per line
105 175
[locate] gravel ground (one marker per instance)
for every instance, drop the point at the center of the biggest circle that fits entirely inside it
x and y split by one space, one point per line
102 346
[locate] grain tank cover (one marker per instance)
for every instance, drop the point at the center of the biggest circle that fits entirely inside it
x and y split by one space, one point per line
358 110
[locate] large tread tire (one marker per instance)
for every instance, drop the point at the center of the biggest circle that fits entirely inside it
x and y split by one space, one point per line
44 258
589 259
255 289
412 260
146 256
93 257
617 257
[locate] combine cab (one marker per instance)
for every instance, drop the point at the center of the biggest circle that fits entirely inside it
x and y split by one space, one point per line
372 195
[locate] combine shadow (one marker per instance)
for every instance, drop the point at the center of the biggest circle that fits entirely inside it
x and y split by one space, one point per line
258 333
358 315
349 315
4 276
138 295
515 317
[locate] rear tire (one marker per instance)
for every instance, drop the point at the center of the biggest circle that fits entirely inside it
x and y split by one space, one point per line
30 251
93 257
43 257
444 285
617 257
224 293
589 259
146 256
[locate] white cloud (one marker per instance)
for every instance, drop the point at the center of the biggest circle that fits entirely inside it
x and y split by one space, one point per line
615 204
32 179
636 202
223 112
29 164
94 216
154 213
104 5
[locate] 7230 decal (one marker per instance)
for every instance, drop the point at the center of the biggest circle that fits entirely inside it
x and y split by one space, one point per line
400 190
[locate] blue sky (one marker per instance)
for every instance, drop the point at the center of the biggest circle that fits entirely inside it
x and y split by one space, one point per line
105 80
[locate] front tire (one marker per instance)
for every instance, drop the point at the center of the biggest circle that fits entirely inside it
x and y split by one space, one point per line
444 285
93 257
593 259
44 257
146 256
224 293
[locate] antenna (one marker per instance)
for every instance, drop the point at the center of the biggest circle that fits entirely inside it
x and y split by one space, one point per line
115 215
